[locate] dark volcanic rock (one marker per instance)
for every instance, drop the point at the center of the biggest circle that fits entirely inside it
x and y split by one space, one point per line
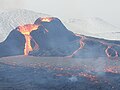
92 49
57 36
65 74
13 45
54 38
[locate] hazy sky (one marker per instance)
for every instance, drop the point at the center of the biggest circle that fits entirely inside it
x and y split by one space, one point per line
109 10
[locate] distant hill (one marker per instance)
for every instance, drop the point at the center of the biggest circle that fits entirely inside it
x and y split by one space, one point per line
52 39
95 27
10 19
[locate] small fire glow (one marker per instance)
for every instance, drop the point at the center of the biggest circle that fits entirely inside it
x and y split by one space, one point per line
86 75
46 19
26 30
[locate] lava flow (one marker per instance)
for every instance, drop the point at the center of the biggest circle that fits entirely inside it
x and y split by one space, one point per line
109 51
81 45
46 19
26 30
109 47
110 55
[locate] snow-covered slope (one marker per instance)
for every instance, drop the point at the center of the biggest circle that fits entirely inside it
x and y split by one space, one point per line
12 18
95 27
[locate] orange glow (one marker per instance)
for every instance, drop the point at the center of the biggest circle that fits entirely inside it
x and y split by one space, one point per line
109 46
26 30
46 19
81 45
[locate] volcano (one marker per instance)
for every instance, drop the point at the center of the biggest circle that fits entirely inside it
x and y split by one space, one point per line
54 38
13 45
10 19
49 37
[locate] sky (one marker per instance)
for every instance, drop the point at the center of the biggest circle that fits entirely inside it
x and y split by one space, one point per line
108 10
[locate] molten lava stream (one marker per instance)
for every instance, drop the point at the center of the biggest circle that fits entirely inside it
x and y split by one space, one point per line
109 47
108 54
28 47
26 30
81 45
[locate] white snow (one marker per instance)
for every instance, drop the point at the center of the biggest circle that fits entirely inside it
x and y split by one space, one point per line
93 26
10 19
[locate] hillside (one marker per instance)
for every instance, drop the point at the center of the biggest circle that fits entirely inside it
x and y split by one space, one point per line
95 27
10 19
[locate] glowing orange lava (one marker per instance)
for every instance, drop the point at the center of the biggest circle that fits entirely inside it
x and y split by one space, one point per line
26 30
46 19
109 46
81 45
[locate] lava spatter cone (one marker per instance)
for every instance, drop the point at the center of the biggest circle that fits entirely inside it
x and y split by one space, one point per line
54 38
13 45
49 37
19 41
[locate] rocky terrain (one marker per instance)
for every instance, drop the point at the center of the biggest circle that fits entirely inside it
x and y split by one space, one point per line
39 52
50 73
51 38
